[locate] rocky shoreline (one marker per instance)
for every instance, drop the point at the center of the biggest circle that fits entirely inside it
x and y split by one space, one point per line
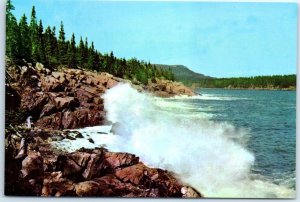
64 99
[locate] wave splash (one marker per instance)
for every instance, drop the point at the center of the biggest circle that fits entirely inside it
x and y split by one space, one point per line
200 152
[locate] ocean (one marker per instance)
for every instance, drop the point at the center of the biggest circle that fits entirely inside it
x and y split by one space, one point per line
270 118
224 143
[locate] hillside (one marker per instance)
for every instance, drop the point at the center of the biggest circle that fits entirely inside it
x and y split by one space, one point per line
184 74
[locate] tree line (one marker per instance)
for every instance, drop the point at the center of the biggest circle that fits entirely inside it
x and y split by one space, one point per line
32 43
270 82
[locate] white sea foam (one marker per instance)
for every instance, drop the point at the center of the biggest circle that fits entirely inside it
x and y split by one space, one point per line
207 97
209 156
202 153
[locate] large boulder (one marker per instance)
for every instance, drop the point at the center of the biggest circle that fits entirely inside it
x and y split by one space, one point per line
51 84
34 103
66 102
72 119
166 88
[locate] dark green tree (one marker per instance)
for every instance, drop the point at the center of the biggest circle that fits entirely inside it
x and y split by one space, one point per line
25 42
50 47
71 54
34 36
12 34
41 44
80 53
93 59
62 45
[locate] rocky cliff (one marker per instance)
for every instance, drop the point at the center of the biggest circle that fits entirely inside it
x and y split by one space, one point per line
67 99
70 98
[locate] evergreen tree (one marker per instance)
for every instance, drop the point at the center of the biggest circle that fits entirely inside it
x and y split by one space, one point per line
92 57
34 36
9 15
85 56
80 53
12 34
50 47
25 42
41 44
12 40
71 54
54 47
62 45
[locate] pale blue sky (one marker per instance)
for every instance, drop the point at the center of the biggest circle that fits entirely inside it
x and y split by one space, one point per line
216 39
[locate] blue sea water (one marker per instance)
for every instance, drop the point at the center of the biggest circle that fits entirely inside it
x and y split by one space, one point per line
270 118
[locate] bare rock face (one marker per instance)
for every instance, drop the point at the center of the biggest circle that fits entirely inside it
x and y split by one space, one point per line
66 99
87 188
165 88
70 98
45 171
65 102
54 184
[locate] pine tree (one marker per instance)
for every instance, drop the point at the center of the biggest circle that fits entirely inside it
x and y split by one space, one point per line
62 45
12 33
9 14
25 42
71 54
80 53
34 36
54 47
91 57
48 45
12 40
9 9
41 44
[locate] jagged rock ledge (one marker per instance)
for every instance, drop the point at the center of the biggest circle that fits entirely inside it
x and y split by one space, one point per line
70 98
35 168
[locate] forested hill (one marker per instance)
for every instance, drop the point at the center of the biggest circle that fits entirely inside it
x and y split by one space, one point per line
255 82
190 78
27 40
183 73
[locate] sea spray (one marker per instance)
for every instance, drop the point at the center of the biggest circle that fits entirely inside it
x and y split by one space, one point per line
172 134
199 151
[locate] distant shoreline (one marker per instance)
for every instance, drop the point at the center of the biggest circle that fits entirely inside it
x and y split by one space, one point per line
271 89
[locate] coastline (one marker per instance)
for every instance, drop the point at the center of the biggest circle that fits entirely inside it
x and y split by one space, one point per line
58 101
271 89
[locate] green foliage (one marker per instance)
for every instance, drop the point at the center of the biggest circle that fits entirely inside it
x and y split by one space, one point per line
270 82
35 44
34 36
62 45
71 54
25 42
13 34
12 40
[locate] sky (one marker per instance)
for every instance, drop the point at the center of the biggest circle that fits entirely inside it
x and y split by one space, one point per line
218 39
